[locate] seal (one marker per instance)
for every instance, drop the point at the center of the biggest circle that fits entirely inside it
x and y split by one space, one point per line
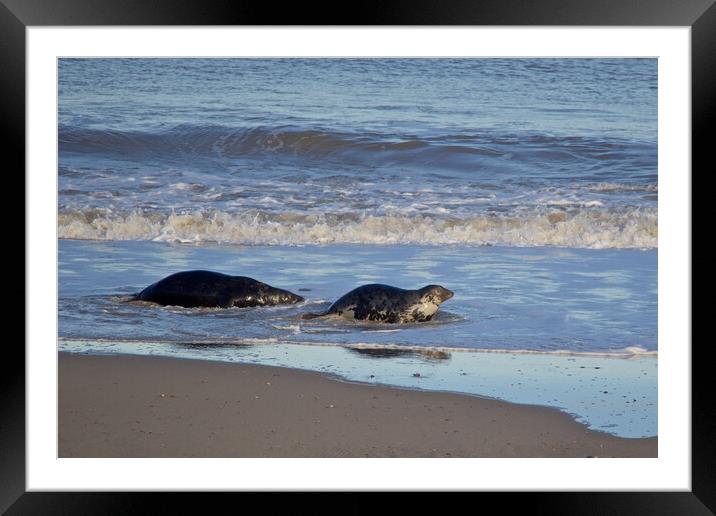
383 303
193 289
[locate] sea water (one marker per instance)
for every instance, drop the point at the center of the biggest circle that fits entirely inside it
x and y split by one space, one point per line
515 152
527 186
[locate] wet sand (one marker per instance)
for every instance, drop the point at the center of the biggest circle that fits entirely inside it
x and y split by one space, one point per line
139 406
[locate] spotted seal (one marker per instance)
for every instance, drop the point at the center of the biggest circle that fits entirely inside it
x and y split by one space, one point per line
383 303
192 289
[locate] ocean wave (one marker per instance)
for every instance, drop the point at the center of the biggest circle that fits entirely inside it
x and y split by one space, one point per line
632 228
234 142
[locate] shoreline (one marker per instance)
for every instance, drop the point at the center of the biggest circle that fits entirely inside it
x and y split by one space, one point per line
147 406
628 353
612 394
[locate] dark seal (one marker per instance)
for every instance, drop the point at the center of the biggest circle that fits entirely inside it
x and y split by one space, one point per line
192 289
383 303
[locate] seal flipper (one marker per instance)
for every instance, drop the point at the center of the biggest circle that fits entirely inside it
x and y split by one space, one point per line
312 316
131 298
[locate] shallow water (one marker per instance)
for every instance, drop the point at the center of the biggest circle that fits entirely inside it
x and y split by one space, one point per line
535 299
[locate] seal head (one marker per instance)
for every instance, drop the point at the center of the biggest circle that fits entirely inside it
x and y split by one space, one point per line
435 294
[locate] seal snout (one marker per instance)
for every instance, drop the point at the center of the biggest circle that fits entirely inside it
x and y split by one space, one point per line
443 294
438 292
289 297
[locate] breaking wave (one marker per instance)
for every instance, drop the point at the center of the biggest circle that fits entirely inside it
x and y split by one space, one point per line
631 228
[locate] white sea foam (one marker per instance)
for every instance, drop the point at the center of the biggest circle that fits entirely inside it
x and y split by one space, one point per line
598 229
615 187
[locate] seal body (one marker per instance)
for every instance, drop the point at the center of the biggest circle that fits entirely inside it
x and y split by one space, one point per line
383 303
192 289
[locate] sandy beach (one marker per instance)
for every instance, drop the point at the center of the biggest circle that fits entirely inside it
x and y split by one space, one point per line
139 406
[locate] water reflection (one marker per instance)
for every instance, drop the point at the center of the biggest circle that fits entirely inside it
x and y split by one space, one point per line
430 354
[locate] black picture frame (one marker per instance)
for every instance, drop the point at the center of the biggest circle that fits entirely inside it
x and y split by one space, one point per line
17 15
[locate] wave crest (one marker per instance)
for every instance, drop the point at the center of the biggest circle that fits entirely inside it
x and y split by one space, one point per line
447 149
